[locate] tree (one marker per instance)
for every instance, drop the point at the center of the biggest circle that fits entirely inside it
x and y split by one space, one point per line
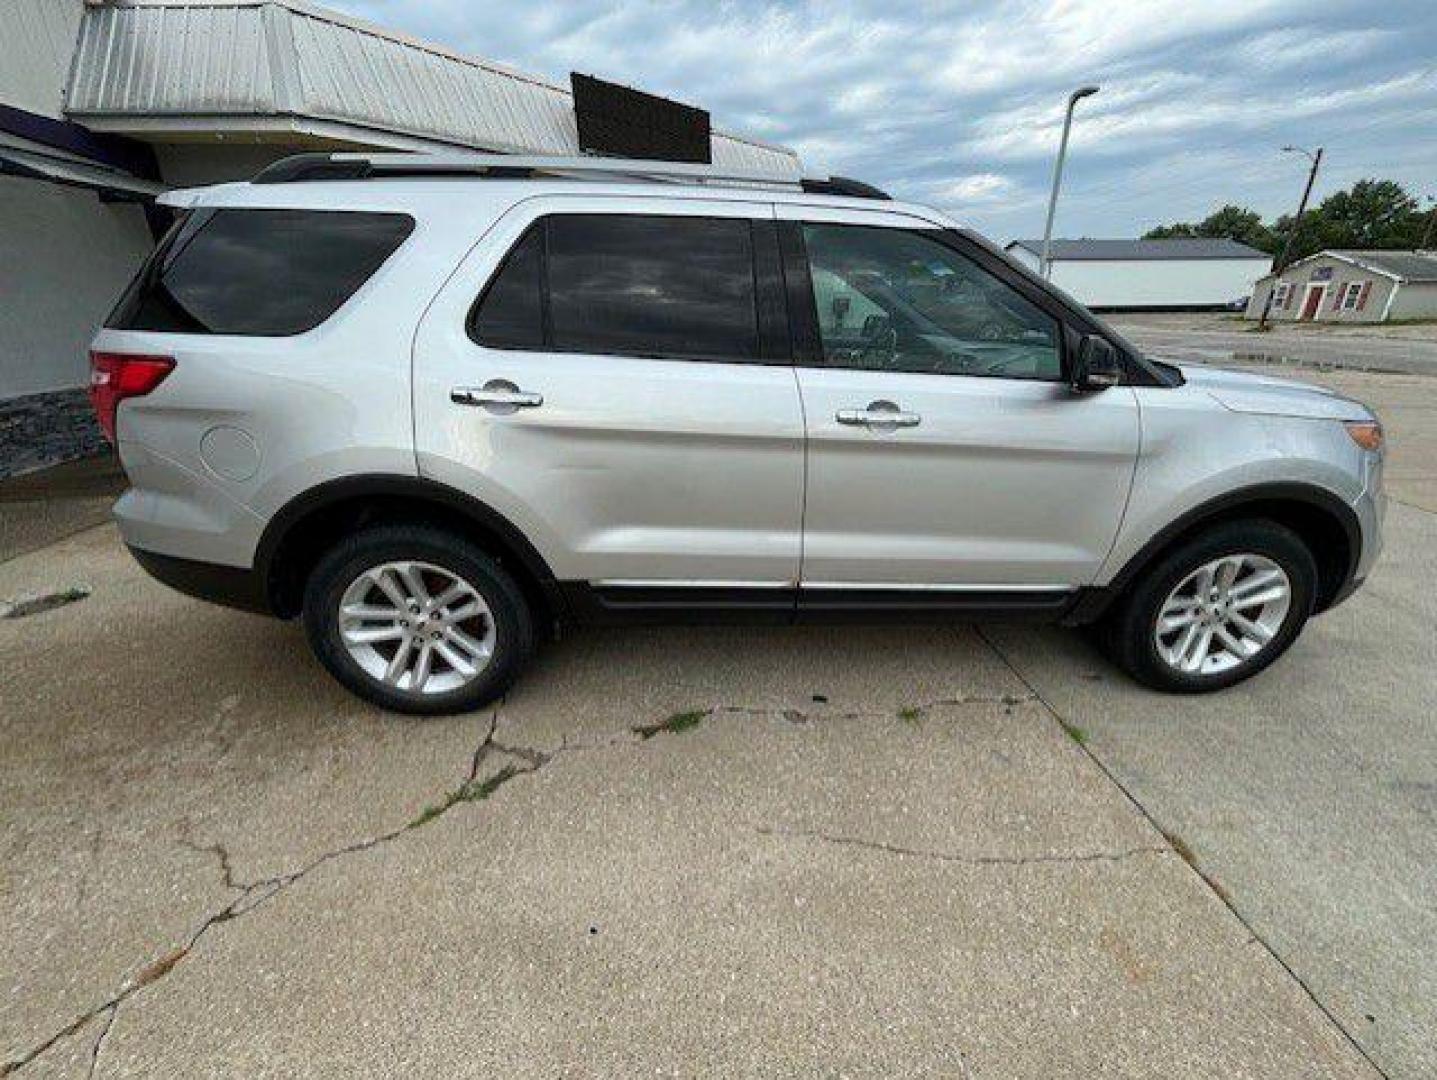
1230 222
1372 214
1167 232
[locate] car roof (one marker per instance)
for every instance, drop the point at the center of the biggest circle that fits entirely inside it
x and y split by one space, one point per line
489 184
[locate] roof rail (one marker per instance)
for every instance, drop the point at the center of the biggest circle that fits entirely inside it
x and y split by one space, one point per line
842 185
350 166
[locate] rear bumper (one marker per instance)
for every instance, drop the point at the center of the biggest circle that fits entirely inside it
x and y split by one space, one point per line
231 586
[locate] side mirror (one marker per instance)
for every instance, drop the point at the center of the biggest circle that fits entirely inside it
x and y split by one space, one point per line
1099 365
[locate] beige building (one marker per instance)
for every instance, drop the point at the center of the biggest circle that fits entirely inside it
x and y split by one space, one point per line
1352 286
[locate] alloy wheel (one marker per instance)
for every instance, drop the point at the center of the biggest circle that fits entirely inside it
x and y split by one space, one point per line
416 627
1223 614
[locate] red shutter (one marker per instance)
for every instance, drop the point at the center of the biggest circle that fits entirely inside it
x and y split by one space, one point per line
1362 296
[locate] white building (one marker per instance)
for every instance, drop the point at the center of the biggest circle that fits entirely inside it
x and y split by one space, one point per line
105 103
1182 273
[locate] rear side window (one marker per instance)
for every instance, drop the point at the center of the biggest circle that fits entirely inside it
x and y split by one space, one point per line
510 315
637 285
260 273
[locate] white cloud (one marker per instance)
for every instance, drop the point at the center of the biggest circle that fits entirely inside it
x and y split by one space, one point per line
960 103
977 188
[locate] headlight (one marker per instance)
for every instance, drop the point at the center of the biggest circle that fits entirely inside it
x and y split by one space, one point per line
1365 433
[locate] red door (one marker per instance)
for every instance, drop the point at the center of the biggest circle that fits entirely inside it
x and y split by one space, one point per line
1312 302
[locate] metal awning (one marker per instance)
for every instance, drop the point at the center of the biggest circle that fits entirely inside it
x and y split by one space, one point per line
106 181
272 70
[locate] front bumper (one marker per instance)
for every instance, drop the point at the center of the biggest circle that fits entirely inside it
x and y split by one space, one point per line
1370 508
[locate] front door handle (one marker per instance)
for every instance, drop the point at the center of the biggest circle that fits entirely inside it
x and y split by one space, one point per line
497 395
878 414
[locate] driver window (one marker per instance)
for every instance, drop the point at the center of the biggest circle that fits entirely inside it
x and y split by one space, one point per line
894 300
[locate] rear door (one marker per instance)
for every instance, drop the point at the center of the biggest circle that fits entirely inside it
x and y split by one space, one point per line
947 453
611 374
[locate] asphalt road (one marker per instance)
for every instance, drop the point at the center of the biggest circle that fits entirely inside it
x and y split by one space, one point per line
718 852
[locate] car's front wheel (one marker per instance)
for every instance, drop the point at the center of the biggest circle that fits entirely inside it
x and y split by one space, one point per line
1216 609
417 620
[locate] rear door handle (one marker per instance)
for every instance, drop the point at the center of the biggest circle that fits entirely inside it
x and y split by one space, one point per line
500 395
880 414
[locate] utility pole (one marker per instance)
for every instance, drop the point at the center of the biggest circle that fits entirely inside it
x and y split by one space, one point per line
1280 264
1046 265
1426 244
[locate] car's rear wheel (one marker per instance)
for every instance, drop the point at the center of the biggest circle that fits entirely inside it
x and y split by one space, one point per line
417 620
1216 609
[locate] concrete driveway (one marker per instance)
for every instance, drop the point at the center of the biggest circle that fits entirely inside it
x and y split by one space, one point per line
719 852
1206 338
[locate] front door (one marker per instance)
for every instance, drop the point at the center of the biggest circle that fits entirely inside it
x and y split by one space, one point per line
946 450
619 392
1312 301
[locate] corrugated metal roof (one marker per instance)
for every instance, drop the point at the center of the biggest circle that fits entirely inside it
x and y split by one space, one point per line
271 58
1407 265
1178 247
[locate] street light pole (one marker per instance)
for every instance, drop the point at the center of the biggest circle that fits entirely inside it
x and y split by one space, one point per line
1281 262
1046 266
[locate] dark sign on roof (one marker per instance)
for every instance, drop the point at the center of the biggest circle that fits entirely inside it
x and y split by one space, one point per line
618 121
1178 247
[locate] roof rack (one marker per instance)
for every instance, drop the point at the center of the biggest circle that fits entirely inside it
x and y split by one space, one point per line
302 167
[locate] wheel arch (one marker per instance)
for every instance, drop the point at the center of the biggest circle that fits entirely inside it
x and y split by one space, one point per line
1325 523
311 522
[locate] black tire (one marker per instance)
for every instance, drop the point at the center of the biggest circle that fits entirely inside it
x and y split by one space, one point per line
512 620
1128 633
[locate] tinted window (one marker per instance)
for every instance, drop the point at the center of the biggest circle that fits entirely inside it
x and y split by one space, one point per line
652 286
889 299
510 314
264 273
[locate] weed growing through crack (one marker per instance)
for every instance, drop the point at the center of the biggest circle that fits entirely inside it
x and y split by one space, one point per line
682 721
1077 734
910 714
473 791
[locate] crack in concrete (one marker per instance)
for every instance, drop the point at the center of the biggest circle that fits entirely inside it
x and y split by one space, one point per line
1220 893
525 760
100 1042
954 857
917 710
254 894
220 853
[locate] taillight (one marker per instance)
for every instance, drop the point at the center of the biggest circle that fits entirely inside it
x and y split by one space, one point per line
116 376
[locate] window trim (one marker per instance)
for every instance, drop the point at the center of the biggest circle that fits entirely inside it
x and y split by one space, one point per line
807 342
770 313
1351 293
1282 294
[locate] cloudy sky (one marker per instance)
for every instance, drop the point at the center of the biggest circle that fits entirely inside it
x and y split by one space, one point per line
960 104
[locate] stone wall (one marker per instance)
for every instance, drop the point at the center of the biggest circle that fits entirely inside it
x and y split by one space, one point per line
46 429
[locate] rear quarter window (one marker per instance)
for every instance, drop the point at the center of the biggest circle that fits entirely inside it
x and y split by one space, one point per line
260 273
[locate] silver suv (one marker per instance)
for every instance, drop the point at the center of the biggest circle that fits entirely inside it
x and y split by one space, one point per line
436 406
